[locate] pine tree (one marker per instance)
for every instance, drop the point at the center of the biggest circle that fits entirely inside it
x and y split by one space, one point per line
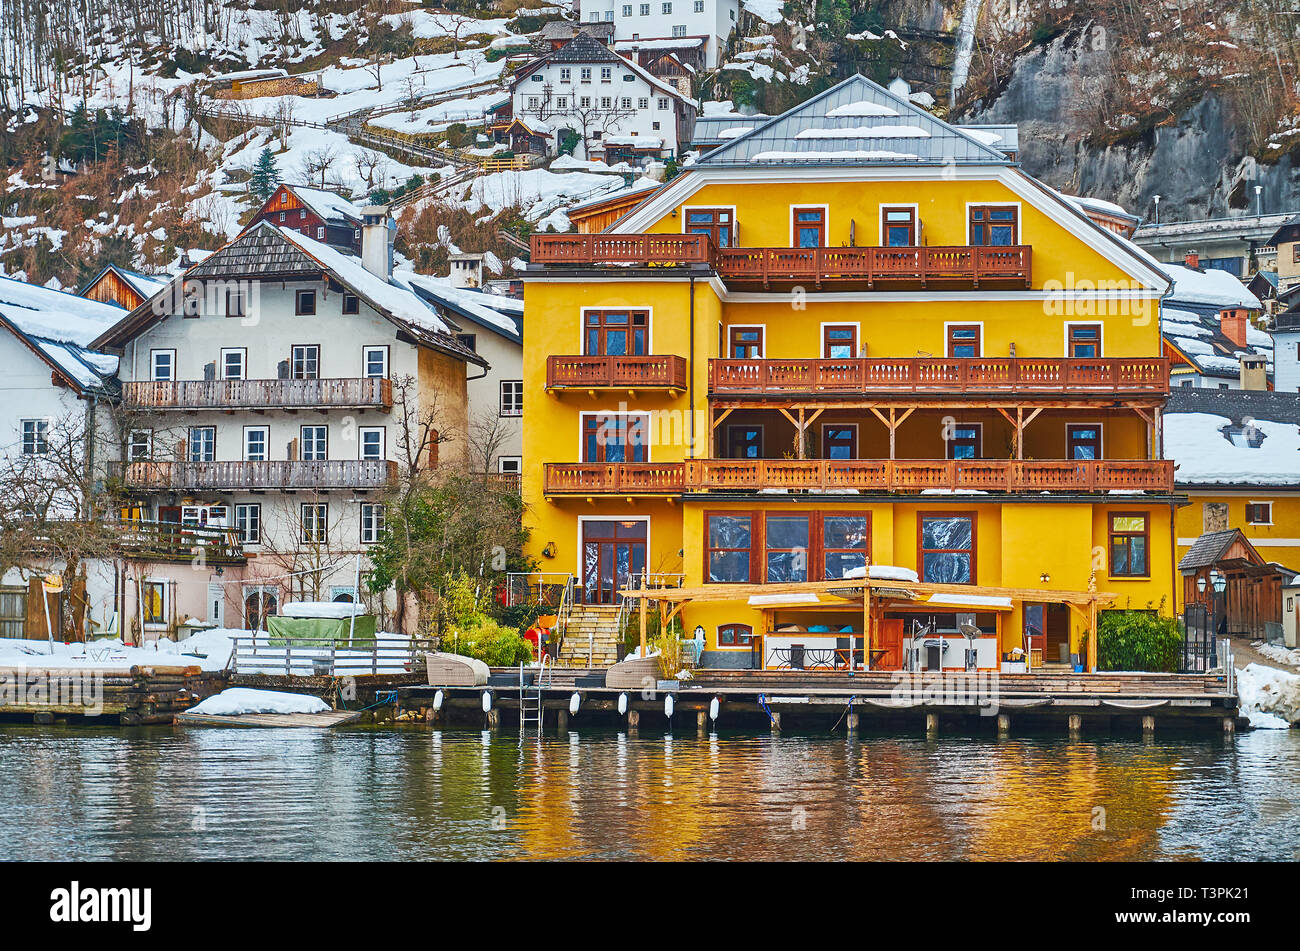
265 176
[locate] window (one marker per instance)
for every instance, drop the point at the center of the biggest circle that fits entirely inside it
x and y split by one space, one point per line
374 362
537 77
786 546
153 595
320 232
284 198
606 102
666 9
1259 513
351 305
744 442
1083 441
139 445
809 227
626 103
735 635
1128 546
964 341
1083 340
305 362
699 6
844 539
235 303
645 9
663 103
257 440
315 522
643 102
745 343
994 225
372 522
304 303
898 226
512 398
839 342
36 437
606 74
584 102
162 364
566 74
729 547
963 440
609 437
510 465
946 548
616 333
233 363
654 127
562 102
719 223
468 341
585 74
679 29
609 16
839 441
282 214
534 103
13 612
248 522
203 444
372 442
314 443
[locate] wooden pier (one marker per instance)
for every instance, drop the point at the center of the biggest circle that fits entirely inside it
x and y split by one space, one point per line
140 695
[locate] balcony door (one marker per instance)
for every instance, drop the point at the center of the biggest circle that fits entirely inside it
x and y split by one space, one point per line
613 551
718 223
898 224
616 333
808 227
964 341
745 343
610 437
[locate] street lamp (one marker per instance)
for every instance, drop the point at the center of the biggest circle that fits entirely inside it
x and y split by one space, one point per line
1200 584
1157 199
1219 580
1259 211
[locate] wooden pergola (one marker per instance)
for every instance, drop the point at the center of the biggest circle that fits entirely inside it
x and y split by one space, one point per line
1083 603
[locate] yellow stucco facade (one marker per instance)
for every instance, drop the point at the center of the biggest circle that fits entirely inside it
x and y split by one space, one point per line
1054 538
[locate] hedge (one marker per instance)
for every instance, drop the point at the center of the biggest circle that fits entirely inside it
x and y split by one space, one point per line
1138 640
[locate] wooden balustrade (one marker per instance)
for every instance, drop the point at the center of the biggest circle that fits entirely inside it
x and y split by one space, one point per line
259 394
222 476
871 475
965 264
942 375
668 371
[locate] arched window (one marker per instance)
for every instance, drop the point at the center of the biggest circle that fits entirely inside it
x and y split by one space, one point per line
735 635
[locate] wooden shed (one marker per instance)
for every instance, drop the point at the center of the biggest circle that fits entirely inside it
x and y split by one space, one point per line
1252 597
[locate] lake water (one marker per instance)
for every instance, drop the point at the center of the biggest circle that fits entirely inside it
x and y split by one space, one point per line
416 793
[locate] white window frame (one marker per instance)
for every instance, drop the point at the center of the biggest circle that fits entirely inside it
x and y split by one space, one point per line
371 537
40 436
153 365
857 335
319 522
1101 336
266 443
362 432
242 353
302 442
243 509
365 362
1269 503
190 443
133 442
518 462
501 399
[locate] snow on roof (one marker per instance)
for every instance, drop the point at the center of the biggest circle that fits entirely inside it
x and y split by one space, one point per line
327 204
821 130
1211 286
146 285
664 43
1209 449
323 609
503 314
769 11
641 141
55 315
398 300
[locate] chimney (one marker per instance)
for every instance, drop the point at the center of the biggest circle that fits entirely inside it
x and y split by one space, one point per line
377 233
1192 260
1233 323
467 270
1254 372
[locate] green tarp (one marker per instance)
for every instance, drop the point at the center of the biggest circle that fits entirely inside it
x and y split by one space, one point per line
315 631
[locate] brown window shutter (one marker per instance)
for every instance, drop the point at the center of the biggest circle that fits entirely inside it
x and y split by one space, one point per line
293 449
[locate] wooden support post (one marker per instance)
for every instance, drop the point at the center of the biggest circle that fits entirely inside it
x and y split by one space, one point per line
1020 432
1075 724
702 720
776 722
1004 724
1229 726
642 608
1092 637
1148 724
562 721
494 718
893 429
800 428
633 719
932 723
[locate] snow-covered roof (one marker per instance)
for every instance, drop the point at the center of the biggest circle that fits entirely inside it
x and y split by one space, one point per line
856 122
327 205
1210 449
59 326
1210 286
503 315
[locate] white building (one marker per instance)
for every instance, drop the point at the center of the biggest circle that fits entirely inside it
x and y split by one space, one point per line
273 388
617 109
697 30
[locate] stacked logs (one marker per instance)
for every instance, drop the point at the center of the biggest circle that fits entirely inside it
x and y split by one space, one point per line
157 694
141 695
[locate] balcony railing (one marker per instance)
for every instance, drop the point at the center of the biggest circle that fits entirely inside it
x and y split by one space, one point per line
904 475
260 394
169 541
869 475
617 372
224 476
940 375
965 264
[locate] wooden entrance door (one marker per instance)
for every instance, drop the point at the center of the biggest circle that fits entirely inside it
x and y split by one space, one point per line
613 552
889 638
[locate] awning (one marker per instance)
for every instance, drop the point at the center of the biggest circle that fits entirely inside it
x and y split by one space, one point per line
975 602
776 600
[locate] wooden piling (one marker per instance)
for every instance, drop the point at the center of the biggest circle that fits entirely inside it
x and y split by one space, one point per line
776 722
1148 724
1075 724
1004 724
932 723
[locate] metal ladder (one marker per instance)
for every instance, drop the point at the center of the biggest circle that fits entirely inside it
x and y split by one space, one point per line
530 700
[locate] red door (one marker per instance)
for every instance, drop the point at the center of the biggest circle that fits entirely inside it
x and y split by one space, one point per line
889 634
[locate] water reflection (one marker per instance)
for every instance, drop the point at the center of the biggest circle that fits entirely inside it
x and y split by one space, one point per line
157 793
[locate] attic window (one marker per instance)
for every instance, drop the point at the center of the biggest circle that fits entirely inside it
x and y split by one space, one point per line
284 198
1244 435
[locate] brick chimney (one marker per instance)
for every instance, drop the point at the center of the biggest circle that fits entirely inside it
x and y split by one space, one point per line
1192 260
1233 322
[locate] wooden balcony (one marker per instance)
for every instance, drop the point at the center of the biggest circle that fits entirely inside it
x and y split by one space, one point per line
169 541
613 478
344 393
256 476
866 475
937 375
620 372
958 265
912 475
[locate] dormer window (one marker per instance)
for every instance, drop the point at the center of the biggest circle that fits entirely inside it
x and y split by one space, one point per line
1244 435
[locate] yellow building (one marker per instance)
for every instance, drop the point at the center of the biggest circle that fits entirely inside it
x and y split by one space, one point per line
854 334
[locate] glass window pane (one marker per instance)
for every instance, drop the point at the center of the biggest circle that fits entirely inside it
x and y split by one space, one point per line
787 531
947 567
845 531
1129 523
946 533
729 531
730 566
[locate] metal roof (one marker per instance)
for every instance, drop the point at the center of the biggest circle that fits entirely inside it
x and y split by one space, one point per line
854 123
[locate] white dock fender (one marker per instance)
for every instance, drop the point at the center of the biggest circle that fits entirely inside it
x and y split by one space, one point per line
668 706
574 702
487 701
437 701
622 704
713 709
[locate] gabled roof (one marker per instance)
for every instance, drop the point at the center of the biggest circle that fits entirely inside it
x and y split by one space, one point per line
854 123
474 306
1212 546
146 285
584 49
57 327
327 205
265 251
1197 337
